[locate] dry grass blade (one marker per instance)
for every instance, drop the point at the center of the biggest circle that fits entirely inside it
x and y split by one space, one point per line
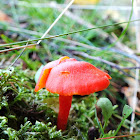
118 137
56 20
69 33
18 56
137 70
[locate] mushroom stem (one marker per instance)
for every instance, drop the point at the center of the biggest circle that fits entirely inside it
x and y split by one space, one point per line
64 108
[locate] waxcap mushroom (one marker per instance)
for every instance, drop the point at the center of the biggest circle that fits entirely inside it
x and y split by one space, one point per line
76 78
67 77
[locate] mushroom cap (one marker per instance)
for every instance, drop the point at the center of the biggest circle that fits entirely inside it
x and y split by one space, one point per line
67 76
73 77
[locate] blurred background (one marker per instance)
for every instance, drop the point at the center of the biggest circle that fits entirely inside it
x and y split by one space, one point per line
114 49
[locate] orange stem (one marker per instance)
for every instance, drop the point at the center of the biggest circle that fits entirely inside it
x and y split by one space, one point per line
64 108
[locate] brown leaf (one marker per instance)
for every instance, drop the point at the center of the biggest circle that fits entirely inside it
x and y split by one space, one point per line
4 17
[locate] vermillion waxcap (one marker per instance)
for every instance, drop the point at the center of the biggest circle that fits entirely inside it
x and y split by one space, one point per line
76 78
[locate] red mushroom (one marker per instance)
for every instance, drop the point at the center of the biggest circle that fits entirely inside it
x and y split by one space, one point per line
68 77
